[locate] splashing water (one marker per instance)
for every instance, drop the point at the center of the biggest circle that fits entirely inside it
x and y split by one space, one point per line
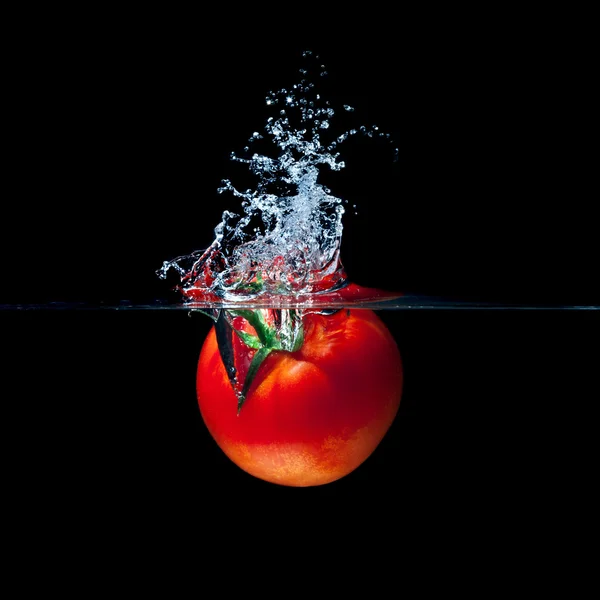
284 246
286 242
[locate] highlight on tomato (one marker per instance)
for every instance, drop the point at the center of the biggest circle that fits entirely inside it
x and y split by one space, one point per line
299 398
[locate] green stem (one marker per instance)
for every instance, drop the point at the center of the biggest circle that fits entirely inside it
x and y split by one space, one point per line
288 337
257 360
266 334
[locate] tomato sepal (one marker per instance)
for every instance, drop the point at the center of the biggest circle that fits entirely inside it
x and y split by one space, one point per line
257 360
252 341
273 331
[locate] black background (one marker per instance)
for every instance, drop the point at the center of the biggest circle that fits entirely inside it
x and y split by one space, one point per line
118 135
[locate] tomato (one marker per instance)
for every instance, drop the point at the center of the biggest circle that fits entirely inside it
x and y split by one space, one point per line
310 416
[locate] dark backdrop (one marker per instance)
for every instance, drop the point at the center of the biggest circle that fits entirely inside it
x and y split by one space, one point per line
119 139
118 135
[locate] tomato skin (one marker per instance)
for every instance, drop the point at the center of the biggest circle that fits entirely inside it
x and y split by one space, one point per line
312 416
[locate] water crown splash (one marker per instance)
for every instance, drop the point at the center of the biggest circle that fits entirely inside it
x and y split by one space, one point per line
287 240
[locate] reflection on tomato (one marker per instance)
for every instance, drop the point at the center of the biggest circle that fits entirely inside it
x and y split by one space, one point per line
311 416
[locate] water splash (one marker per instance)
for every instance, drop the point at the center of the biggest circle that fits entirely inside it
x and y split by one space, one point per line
286 241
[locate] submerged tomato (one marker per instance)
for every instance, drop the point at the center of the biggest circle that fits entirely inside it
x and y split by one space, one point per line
311 416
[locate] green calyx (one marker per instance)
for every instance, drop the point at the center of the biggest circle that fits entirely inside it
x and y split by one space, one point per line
284 332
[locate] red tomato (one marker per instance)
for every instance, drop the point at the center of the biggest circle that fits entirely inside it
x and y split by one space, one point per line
312 416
